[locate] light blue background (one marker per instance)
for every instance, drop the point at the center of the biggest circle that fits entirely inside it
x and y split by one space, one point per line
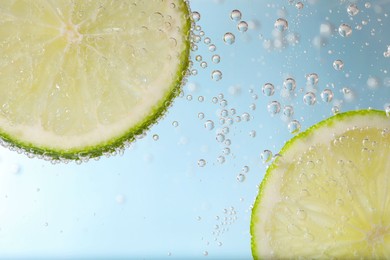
155 201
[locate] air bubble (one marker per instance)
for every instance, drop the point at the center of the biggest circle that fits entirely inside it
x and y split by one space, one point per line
309 98
220 138
281 25
266 156
203 64
216 58
241 177
252 133
294 127
345 30
221 159
235 15
209 125
229 38
268 89
201 115
289 84
216 75
299 5
175 123
201 162
312 79
288 111
156 137
352 10
212 47
327 95
274 107
338 64
196 16
242 26
387 110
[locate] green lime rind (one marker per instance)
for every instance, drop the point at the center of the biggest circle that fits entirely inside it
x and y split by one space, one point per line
120 142
327 122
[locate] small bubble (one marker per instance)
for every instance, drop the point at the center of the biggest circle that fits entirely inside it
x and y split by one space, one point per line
155 137
216 75
198 58
198 218
245 169
220 138
327 95
266 156
367 5
212 47
221 159
245 117
203 64
335 110
387 110
312 79
299 5
268 89
289 84
235 15
294 127
226 151
216 58
345 30
241 177
209 125
338 64
252 133
175 124
207 40
219 243
201 115
281 24
273 107
309 98
288 111
205 253
229 38
201 162
196 16
242 26
201 98
352 10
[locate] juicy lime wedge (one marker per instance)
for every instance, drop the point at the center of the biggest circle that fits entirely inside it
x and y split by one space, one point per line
82 77
328 195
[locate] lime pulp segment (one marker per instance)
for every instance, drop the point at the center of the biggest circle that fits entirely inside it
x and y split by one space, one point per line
82 77
328 195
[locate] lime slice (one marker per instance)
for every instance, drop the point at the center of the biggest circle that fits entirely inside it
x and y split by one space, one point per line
81 78
328 195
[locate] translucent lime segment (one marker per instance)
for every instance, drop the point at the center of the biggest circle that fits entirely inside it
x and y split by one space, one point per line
328 195
82 74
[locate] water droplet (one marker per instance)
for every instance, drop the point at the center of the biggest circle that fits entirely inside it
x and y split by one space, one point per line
294 127
155 137
242 26
289 84
309 98
216 75
201 162
216 58
229 38
240 177
312 79
327 95
235 15
338 64
352 10
273 107
281 24
266 156
268 89
288 111
345 30
299 5
209 125
196 16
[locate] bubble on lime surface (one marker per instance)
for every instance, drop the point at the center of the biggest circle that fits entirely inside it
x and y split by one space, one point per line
327 95
268 89
266 156
235 15
338 64
229 38
289 84
281 24
352 10
345 30
294 126
195 16
274 107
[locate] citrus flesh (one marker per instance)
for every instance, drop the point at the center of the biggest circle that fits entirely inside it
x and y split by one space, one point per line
328 195
83 77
